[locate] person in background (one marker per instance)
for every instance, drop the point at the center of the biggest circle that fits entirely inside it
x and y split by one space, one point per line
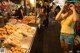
46 11
0 8
68 16
40 14
53 8
56 10
19 13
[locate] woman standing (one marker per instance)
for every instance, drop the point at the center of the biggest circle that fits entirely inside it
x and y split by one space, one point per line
68 16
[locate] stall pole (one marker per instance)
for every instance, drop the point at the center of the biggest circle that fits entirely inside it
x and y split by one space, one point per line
24 7
35 11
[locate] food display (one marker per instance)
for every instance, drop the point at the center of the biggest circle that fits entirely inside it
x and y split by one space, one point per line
7 30
18 50
26 30
10 28
17 34
30 19
3 33
12 21
13 39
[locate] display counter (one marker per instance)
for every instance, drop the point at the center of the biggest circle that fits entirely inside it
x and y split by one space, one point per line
17 37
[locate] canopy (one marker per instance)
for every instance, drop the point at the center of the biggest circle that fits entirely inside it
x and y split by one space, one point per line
72 0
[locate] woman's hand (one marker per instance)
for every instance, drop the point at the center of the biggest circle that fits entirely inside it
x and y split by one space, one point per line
75 15
72 7
65 5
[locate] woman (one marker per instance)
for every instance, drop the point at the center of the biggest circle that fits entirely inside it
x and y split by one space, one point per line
68 17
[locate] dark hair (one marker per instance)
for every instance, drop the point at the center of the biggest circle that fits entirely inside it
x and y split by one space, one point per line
68 3
38 5
53 3
58 7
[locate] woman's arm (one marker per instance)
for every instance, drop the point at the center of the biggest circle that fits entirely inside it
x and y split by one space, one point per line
58 16
75 15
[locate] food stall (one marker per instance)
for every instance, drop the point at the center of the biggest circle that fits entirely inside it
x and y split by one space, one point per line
17 36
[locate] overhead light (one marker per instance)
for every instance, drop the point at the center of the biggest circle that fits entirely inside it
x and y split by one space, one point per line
32 1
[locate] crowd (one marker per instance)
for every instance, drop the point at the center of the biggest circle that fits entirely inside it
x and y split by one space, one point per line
67 15
7 8
46 10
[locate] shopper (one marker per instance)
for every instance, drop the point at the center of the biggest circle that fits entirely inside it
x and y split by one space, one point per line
68 16
57 9
53 7
46 11
19 13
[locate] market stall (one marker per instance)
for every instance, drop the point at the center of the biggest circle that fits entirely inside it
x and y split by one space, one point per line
17 36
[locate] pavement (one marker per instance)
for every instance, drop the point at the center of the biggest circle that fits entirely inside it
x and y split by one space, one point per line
47 40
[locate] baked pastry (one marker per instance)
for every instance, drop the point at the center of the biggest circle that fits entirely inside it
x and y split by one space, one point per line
18 49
